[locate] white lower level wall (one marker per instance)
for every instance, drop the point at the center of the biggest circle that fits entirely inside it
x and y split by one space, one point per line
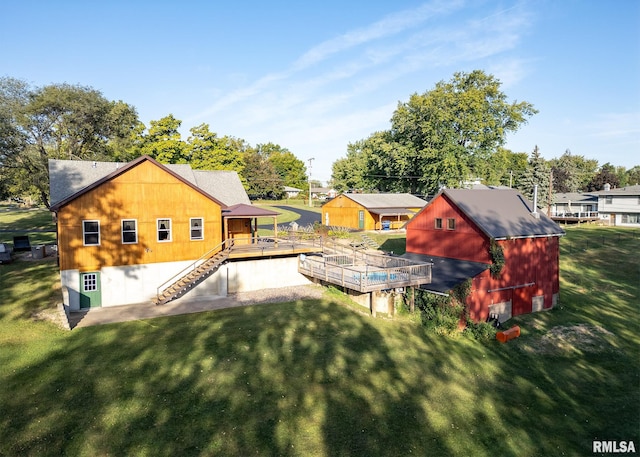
138 284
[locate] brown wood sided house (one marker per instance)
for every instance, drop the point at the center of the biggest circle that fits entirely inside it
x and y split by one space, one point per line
371 211
124 227
465 232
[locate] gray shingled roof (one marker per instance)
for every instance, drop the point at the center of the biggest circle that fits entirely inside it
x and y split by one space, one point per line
502 213
66 177
628 190
575 197
387 201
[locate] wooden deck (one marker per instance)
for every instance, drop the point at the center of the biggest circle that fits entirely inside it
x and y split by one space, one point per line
270 247
365 272
575 218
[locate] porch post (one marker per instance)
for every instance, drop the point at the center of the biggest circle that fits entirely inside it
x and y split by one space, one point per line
275 231
226 229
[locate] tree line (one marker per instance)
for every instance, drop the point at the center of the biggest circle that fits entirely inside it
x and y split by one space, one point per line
73 122
446 137
453 135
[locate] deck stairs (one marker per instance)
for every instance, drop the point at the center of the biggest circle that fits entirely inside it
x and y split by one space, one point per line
195 274
369 243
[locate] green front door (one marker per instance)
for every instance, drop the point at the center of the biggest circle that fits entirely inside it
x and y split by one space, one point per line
90 295
361 219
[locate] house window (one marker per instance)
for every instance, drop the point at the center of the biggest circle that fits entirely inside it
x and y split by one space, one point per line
129 231
196 228
91 233
608 200
451 224
438 223
630 218
89 282
164 229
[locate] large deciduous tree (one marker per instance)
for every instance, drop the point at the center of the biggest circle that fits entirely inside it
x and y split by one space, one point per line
207 151
261 178
164 143
58 121
606 175
291 170
446 136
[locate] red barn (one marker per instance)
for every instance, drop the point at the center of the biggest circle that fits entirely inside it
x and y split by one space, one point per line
464 232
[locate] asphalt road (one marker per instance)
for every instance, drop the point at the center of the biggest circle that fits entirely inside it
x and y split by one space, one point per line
306 217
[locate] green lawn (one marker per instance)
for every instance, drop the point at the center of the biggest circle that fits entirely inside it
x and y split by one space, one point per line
38 221
315 378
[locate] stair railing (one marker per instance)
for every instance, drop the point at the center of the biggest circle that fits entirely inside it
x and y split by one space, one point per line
225 245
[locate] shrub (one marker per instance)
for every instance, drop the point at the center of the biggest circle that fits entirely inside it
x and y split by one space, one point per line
439 314
480 330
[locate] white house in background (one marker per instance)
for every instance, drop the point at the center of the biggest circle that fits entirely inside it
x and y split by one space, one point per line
292 192
323 193
620 206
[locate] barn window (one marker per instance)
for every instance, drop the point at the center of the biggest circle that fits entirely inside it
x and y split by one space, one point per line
129 231
196 228
451 224
164 229
91 233
438 223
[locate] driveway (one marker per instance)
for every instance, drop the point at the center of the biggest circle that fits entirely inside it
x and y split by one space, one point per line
306 217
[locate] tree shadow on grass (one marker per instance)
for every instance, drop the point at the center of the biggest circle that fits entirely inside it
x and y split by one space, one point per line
304 378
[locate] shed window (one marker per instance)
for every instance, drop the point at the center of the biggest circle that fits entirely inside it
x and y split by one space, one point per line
164 229
196 228
451 224
129 231
91 233
438 223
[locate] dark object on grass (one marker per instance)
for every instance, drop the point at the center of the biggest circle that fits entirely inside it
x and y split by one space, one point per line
21 243
5 253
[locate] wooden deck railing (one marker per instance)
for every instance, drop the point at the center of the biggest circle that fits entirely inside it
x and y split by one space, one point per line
365 272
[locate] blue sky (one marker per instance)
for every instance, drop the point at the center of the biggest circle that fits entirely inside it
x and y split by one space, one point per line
316 76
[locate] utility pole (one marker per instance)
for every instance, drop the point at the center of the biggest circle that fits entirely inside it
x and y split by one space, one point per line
550 197
310 160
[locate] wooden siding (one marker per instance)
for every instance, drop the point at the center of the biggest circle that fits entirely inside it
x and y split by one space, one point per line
145 193
465 242
531 269
531 264
343 212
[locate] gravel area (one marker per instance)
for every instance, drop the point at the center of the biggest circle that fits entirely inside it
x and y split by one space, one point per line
277 295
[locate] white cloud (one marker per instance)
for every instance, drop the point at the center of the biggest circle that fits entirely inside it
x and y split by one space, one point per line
345 88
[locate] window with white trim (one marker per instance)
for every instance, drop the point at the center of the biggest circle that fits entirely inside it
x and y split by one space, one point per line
90 282
129 231
451 224
91 233
438 223
197 228
164 229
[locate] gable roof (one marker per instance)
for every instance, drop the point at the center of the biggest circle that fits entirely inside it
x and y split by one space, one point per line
500 213
628 190
575 197
70 177
243 210
387 201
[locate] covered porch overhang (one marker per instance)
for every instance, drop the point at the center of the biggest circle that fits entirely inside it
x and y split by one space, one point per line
397 215
241 223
